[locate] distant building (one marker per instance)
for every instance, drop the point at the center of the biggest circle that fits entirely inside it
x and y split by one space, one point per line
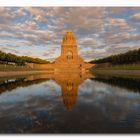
11 63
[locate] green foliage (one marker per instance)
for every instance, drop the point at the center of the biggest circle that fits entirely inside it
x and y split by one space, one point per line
7 58
34 60
125 58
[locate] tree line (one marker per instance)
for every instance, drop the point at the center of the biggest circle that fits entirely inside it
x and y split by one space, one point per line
129 57
7 58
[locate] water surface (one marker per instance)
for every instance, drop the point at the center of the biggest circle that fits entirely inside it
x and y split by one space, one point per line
69 103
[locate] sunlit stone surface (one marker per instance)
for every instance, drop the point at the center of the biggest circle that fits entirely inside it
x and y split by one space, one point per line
69 58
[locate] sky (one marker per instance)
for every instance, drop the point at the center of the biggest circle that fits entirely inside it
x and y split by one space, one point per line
38 31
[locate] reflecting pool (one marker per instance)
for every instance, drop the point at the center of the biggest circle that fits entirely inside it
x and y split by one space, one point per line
69 103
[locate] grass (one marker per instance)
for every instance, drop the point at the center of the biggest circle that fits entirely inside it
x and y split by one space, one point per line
125 71
4 67
118 67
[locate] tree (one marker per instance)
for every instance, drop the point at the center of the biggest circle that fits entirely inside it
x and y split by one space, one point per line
132 56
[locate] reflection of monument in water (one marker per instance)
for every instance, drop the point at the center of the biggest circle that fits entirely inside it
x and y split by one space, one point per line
69 87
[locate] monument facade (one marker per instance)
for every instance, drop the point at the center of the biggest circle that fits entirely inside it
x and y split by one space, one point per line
69 58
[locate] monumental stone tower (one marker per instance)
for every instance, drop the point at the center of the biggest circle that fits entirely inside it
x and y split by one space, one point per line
69 58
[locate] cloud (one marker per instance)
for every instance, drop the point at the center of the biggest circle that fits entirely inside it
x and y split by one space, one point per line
120 23
10 50
99 30
88 41
38 14
136 16
5 16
